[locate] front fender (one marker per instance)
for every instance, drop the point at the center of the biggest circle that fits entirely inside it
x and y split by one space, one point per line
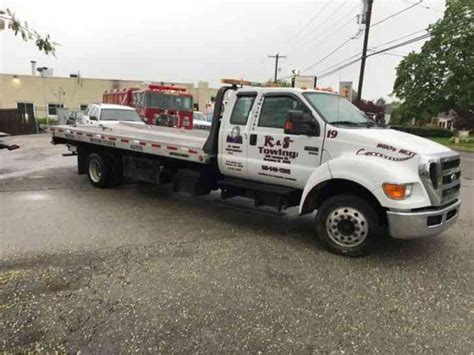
320 175
371 174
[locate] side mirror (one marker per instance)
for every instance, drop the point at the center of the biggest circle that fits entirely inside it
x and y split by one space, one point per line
93 118
300 123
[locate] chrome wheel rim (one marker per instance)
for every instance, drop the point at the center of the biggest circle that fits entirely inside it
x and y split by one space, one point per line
347 227
95 170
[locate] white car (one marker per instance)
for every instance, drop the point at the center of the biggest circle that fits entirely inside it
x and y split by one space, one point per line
107 113
200 121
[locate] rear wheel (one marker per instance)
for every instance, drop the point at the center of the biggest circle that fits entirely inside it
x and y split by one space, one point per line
98 170
347 225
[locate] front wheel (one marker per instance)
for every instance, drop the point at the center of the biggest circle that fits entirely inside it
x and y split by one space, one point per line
347 225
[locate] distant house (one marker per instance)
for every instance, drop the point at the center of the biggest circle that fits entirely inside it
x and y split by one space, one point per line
445 120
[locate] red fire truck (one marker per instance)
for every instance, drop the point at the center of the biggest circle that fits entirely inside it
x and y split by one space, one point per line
163 105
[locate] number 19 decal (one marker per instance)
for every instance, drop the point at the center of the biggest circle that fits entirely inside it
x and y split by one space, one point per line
332 133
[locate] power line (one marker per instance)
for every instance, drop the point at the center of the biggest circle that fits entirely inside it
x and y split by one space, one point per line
325 20
342 61
302 29
447 28
328 55
402 37
367 28
410 41
424 6
337 48
338 29
373 48
396 13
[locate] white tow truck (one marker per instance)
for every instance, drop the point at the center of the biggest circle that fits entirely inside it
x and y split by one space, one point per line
286 147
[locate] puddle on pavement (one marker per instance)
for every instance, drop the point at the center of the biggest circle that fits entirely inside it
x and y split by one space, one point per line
36 196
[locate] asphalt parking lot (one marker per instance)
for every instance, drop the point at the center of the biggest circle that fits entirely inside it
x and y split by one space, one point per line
139 268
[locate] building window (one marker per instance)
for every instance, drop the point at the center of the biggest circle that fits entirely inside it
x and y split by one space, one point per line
83 108
52 109
26 107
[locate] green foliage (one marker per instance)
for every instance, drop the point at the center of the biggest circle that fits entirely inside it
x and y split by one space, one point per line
43 120
424 131
43 43
440 77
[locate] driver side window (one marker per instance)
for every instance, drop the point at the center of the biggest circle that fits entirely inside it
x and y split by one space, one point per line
275 110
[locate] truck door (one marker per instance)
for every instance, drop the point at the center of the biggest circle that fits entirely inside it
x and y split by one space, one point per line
233 136
275 157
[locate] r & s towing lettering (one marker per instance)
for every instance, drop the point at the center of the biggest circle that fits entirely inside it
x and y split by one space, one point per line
277 150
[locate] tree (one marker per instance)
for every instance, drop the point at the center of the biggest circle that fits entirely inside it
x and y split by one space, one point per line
43 43
380 101
440 77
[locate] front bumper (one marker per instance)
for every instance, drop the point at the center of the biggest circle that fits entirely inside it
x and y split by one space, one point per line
412 225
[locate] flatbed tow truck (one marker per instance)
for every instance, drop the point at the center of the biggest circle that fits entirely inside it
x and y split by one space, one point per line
286 147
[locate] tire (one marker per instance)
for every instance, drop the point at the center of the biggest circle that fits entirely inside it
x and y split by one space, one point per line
347 225
98 170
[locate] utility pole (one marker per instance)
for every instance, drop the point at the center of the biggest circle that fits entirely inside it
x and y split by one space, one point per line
367 17
277 57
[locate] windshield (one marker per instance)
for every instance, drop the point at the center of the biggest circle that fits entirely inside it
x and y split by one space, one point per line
335 108
170 102
119 115
198 116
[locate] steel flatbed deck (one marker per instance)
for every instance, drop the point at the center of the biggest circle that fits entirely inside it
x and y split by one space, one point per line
155 140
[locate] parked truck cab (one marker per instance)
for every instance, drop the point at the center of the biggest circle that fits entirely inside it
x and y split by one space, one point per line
99 114
286 147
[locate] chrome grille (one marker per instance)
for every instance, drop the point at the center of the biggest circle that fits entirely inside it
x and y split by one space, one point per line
451 177
441 176
449 164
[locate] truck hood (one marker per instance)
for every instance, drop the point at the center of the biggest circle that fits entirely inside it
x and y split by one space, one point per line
393 138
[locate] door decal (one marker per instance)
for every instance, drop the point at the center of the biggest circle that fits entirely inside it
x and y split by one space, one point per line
277 150
234 136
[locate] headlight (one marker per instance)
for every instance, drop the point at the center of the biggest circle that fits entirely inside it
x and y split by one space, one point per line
397 191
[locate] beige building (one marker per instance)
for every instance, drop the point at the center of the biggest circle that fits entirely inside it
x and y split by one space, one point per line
42 95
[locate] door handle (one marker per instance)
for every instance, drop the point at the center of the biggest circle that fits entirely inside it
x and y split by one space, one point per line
253 139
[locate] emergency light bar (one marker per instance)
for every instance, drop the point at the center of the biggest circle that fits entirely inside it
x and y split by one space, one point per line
166 88
240 82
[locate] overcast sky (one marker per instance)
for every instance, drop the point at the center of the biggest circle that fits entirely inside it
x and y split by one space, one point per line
188 41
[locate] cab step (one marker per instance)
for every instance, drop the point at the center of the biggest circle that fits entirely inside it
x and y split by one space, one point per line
280 197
